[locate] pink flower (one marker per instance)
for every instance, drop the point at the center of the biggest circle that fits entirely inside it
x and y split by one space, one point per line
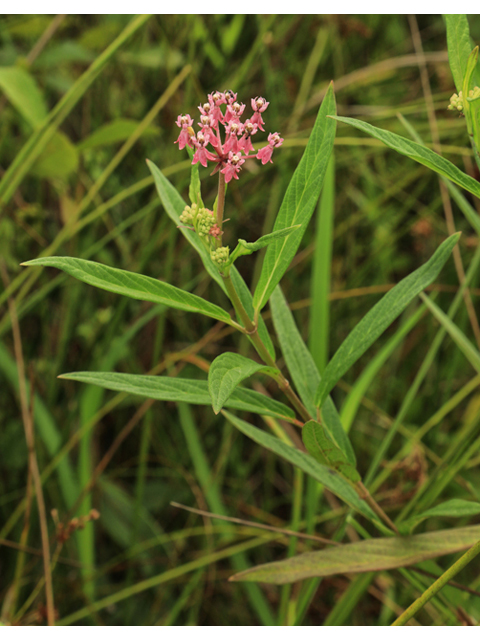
201 154
258 105
274 140
233 166
185 137
234 111
265 154
230 97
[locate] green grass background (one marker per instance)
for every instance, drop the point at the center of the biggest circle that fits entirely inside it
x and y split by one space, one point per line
86 192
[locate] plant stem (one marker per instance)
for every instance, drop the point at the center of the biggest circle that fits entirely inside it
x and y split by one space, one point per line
415 607
365 495
252 333
220 203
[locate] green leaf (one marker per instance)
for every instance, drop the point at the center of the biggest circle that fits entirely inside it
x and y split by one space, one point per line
181 390
464 344
225 374
245 248
115 131
195 188
470 109
321 446
58 160
133 285
381 316
304 371
459 47
327 476
299 201
455 508
419 153
174 205
375 554
23 92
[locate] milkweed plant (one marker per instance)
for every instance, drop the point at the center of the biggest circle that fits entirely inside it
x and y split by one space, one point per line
227 136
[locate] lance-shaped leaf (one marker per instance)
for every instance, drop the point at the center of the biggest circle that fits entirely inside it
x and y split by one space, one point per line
381 316
225 374
182 390
459 47
245 248
419 153
304 371
321 446
132 285
464 344
455 508
325 475
299 201
375 554
174 205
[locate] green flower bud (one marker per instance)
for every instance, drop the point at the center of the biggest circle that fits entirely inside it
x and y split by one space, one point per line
204 222
456 102
189 214
220 256
474 93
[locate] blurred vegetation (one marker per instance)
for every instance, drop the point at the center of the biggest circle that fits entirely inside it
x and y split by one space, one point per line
88 193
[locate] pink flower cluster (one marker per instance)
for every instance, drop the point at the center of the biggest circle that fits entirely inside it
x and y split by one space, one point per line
236 147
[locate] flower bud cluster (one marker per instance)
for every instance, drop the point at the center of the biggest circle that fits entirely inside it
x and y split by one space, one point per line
456 101
229 153
220 256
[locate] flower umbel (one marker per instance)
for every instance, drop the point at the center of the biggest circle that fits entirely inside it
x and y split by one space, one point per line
223 138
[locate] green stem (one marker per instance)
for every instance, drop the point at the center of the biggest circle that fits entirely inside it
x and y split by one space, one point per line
220 203
437 585
252 333
365 495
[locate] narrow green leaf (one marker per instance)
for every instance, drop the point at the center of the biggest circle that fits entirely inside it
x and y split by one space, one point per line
375 554
319 324
23 92
174 205
321 446
299 201
459 47
468 111
455 508
133 285
381 316
181 390
464 344
225 374
419 153
195 188
304 372
115 131
325 475
268 239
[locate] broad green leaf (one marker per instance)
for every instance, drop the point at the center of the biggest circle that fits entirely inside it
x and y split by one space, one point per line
375 554
327 476
381 316
459 47
23 92
225 374
304 371
468 104
299 201
321 446
58 160
182 390
133 285
115 131
174 205
419 153
464 344
245 248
